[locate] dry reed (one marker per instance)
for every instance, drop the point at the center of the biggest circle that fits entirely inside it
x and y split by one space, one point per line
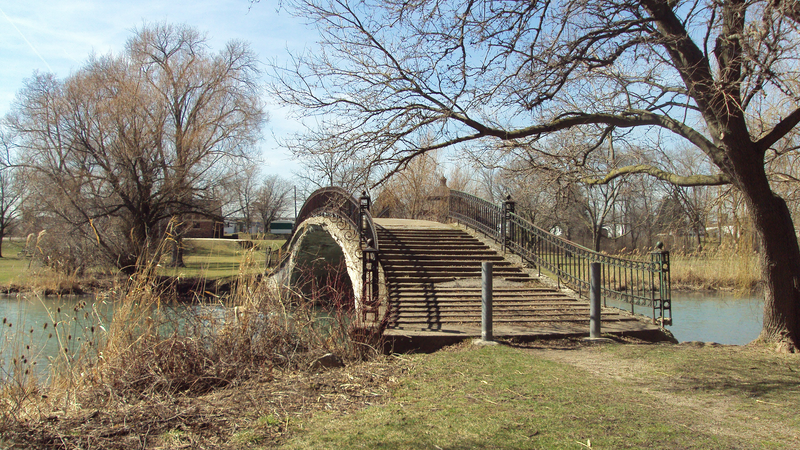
720 268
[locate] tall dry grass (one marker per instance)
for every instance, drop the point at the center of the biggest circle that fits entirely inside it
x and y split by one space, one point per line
151 347
717 268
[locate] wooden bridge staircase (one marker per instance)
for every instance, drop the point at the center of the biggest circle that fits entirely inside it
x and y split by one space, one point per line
433 276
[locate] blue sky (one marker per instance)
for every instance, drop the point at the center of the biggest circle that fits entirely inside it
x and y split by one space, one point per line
58 36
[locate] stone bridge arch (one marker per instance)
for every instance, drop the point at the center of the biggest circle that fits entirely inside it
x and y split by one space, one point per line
326 241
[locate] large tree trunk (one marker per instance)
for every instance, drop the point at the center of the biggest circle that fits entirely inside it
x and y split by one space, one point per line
780 256
780 270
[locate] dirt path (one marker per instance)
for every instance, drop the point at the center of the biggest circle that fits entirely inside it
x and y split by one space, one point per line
688 399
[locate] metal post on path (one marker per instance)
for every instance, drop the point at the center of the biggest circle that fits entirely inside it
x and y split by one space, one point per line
594 300
486 302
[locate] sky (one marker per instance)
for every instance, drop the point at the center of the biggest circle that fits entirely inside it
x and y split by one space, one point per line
59 35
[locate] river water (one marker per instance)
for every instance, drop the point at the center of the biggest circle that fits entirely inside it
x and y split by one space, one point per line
29 334
38 330
716 317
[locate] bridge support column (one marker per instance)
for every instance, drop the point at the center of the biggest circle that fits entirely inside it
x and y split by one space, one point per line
486 302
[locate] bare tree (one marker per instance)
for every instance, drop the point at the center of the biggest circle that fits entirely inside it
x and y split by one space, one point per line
271 199
243 190
131 141
323 168
407 194
10 190
702 72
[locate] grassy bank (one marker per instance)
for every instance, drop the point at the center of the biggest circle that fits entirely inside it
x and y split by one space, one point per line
221 258
662 397
13 265
544 395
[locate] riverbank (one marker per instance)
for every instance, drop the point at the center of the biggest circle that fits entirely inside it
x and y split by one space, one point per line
562 394
211 267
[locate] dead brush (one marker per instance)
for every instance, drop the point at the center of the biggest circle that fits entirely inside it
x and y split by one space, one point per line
20 389
156 349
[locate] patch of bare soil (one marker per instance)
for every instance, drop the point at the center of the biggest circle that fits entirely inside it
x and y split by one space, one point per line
686 396
257 412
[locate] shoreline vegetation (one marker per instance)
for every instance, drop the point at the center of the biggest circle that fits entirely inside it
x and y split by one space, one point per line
149 351
718 270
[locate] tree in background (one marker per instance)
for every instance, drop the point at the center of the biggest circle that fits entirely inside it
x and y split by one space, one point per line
716 75
10 190
129 142
272 198
326 167
241 189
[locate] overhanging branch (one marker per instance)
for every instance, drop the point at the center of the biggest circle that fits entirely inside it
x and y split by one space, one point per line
779 131
677 180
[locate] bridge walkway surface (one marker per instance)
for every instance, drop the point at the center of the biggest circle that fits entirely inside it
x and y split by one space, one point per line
433 278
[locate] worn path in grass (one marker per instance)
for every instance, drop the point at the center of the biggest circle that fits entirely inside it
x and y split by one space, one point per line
568 395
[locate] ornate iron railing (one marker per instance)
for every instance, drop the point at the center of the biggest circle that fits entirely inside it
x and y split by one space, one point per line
337 203
638 282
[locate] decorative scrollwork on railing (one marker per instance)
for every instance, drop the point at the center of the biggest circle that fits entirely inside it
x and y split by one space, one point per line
634 281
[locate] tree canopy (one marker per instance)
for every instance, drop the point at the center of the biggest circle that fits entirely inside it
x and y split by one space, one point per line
129 140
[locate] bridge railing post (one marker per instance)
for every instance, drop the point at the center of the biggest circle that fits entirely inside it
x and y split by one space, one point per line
486 302
369 279
662 304
509 206
594 300
364 203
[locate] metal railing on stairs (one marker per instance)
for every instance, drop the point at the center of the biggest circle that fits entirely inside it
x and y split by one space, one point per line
638 282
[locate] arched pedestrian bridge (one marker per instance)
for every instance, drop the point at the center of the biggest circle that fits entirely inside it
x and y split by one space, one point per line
421 279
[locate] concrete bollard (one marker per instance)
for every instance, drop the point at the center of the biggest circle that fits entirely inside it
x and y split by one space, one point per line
486 302
594 300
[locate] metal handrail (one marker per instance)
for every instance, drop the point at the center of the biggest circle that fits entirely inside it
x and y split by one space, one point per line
477 213
638 282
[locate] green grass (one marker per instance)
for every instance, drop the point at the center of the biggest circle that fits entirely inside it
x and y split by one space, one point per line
12 264
218 258
506 398
204 258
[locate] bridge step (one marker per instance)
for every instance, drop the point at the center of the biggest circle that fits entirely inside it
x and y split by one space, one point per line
436 261
527 320
436 258
505 299
460 272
